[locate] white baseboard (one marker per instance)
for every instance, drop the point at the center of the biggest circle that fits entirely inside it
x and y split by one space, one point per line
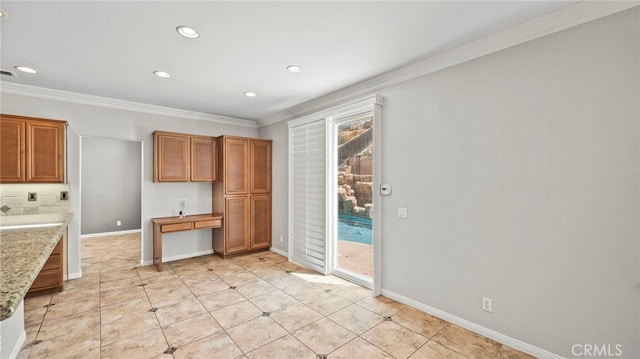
488 333
105 234
279 251
180 256
76 275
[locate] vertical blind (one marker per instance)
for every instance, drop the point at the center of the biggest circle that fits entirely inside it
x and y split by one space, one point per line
308 195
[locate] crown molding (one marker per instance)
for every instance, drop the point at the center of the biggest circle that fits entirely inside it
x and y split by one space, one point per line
350 108
74 97
559 20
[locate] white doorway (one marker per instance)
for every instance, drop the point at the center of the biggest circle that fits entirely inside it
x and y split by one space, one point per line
111 179
314 204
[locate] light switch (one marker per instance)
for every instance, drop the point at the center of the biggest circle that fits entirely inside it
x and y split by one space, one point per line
403 213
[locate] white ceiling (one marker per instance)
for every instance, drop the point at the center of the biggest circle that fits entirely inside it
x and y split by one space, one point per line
111 48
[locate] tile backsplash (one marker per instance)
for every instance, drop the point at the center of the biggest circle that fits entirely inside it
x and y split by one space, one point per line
15 196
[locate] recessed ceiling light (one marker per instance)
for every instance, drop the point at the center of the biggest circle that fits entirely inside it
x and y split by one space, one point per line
294 68
2 14
188 32
162 74
26 69
250 94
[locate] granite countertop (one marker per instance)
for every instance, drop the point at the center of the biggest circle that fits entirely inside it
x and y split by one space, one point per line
23 253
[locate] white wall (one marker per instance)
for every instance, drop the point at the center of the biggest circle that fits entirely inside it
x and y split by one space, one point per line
111 185
520 171
279 133
159 199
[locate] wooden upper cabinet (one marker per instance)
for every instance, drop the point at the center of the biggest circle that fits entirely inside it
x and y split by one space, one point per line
179 157
203 159
31 150
12 150
45 153
260 166
171 157
236 166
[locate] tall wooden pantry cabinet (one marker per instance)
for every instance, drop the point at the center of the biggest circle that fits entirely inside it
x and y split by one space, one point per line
243 195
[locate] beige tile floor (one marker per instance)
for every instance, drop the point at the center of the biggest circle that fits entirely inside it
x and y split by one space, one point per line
254 306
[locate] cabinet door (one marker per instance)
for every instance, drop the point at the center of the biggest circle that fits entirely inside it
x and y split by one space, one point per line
45 152
51 275
203 159
236 166
260 166
12 147
236 224
260 222
171 158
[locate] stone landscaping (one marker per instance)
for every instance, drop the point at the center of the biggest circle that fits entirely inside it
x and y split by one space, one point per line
355 193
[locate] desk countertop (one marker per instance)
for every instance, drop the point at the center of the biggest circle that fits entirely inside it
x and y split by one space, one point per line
190 218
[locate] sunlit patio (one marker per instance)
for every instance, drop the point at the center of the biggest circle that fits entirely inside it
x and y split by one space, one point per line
355 257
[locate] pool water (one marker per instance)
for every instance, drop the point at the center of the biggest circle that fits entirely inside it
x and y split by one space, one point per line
355 229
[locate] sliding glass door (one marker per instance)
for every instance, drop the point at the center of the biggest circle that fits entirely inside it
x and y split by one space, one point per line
333 196
352 156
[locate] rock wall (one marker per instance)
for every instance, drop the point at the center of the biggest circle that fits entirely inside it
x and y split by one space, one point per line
355 196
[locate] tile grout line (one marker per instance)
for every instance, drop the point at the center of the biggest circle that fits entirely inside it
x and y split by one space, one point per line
156 315
286 331
313 322
249 267
360 336
304 304
209 312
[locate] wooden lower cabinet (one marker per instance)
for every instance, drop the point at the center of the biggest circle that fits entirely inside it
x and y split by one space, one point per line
236 225
247 225
51 276
260 222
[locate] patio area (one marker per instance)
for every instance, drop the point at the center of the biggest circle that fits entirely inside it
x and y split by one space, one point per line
355 257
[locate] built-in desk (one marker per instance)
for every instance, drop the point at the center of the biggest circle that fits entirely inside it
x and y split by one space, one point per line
174 224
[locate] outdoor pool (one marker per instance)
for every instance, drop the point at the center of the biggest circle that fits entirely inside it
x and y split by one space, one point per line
355 229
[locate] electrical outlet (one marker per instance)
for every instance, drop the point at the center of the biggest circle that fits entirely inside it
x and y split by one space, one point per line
403 213
118 223
183 202
64 195
193 201
281 239
487 304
